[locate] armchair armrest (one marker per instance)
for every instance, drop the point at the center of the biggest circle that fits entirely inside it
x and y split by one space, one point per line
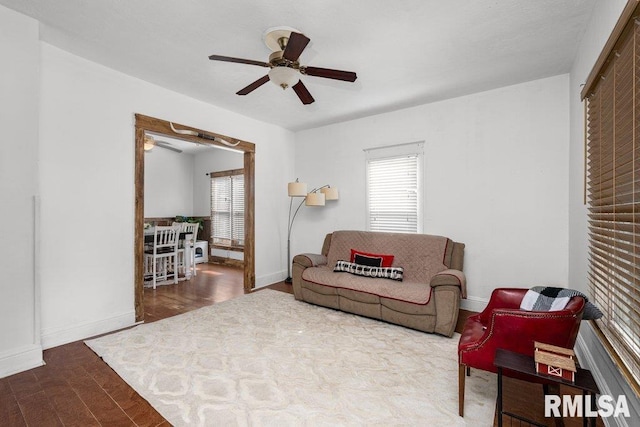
310 260
451 277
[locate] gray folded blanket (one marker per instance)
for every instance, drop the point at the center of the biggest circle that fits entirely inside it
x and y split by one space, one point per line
547 298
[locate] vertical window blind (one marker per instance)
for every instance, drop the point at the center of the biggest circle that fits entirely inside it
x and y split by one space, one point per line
227 208
613 195
394 192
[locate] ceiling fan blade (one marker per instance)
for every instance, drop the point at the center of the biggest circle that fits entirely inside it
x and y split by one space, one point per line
296 44
238 60
168 146
302 92
348 76
253 86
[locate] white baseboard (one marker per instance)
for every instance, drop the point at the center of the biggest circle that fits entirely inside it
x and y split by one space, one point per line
593 356
53 337
20 359
473 304
270 279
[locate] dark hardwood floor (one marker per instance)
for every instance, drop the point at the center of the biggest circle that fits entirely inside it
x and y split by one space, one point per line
212 284
76 388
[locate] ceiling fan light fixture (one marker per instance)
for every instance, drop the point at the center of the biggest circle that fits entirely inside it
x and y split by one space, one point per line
149 143
284 76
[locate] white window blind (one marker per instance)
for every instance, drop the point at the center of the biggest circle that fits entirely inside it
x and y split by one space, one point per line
227 208
394 189
237 209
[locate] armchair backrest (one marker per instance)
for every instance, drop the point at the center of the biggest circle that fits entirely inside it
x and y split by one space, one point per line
512 297
502 298
516 329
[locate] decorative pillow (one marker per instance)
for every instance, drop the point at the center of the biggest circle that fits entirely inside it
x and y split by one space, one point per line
393 273
387 260
368 260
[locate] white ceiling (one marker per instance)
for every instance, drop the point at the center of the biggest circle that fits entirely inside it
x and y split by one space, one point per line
405 53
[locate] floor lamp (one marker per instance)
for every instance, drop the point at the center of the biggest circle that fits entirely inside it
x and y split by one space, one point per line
315 197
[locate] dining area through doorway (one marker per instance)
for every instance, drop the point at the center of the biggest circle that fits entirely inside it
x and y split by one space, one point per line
172 249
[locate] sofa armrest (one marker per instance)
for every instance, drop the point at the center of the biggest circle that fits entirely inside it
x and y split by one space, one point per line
299 264
451 277
310 260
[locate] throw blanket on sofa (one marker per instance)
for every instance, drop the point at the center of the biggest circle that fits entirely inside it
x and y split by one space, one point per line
546 298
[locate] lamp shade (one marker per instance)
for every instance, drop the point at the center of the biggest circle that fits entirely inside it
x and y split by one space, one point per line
284 76
297 189
330 193
314 199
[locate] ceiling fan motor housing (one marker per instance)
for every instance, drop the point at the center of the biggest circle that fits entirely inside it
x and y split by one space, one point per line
276 59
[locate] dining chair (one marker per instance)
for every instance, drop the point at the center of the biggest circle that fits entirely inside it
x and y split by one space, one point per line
186 248
162 259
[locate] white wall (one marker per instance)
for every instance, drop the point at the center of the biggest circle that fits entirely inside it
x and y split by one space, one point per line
19 82
178 183
592 354
495 179
168 183
87 187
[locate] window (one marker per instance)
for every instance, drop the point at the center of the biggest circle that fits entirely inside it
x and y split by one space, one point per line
227 208
613 192
394 188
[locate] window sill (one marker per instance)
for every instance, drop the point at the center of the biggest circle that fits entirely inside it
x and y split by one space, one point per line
229 248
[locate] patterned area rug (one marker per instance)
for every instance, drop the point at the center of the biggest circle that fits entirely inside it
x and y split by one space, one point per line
267 359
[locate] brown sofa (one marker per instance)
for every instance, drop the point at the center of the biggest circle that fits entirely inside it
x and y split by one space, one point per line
428 298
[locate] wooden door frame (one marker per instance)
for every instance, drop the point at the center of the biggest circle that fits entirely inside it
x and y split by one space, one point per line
150 124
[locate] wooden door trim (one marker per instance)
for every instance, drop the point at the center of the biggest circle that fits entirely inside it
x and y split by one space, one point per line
150 124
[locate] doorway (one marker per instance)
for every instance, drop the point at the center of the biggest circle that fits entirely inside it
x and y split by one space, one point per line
150 124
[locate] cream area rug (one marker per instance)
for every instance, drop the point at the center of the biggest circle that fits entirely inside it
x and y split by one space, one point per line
265 359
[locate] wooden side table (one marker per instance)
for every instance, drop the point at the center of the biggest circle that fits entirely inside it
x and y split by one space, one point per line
524 364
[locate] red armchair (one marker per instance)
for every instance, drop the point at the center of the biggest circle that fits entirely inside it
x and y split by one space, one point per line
503 324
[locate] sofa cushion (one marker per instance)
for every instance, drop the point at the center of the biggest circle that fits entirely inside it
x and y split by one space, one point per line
421 255
413 292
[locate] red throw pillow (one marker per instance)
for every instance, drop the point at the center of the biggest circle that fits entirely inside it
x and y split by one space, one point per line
387 260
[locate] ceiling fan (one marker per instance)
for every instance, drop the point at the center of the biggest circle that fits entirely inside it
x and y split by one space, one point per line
287 45
150 142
